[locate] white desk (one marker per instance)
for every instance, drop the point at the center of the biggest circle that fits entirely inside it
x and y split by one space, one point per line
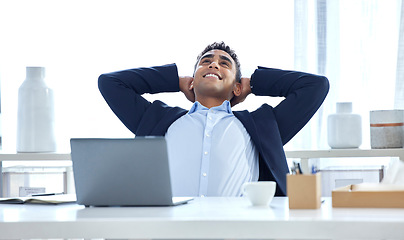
203 218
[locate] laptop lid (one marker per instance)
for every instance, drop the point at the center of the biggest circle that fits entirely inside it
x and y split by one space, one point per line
122 172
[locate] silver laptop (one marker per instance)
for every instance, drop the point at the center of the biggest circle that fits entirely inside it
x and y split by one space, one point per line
122 172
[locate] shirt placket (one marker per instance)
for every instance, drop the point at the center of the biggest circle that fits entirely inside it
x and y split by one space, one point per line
206 152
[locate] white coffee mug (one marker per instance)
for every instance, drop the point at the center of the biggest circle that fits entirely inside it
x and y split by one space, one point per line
259 193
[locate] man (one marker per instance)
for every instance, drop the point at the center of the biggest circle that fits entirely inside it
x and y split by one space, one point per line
213 150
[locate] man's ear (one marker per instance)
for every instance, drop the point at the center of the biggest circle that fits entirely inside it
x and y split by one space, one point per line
237 89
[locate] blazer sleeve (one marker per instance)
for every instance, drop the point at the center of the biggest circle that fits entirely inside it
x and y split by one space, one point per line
122 90
303 92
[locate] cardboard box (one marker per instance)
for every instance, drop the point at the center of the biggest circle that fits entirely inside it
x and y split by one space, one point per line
369 195
304 191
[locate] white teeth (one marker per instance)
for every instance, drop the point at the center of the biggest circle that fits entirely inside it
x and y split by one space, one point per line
211 75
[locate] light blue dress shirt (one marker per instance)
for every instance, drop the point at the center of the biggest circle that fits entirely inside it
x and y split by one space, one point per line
211 153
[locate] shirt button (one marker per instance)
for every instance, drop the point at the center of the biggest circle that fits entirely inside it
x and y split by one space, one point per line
210 118
207 135
202 195
206 153
204 174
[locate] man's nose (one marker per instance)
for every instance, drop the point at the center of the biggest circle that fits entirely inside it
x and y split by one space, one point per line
214 64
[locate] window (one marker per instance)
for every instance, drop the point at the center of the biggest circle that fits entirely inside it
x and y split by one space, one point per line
78 40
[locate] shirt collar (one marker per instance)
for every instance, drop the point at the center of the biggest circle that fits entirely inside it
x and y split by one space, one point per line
225 107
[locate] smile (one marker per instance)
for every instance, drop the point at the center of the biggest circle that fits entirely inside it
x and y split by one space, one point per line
212 75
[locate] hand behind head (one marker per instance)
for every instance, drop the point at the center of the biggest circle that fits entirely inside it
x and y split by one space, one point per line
186 86
245 91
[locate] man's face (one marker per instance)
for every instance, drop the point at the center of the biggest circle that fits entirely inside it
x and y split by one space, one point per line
215 75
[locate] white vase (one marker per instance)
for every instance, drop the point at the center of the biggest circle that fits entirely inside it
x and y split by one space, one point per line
35 120
344 127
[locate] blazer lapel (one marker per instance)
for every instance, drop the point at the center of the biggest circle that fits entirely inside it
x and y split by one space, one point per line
248 122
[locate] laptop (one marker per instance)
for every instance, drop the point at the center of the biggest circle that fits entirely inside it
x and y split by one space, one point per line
122 172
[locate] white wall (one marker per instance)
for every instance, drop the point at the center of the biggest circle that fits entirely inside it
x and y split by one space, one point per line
78 40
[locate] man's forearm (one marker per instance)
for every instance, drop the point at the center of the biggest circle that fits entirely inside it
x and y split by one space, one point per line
303 92
122 90
144 80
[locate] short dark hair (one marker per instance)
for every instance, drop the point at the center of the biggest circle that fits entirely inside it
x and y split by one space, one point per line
222 46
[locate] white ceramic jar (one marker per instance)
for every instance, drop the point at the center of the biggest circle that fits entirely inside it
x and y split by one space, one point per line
35 120
344 128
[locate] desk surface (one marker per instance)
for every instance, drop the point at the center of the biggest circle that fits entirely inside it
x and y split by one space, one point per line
206 218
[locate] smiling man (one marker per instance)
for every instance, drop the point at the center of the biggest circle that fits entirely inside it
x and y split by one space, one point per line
215 79
214 150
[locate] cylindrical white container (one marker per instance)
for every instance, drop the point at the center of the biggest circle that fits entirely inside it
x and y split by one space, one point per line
386 129
344 128
35 120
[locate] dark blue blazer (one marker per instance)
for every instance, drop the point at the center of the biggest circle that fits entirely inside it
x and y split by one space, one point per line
269 127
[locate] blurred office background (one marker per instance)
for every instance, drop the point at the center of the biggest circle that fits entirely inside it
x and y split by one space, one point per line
358 45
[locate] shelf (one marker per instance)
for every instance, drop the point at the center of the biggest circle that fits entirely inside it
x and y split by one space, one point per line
51 156
338 153
34 156
305 155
